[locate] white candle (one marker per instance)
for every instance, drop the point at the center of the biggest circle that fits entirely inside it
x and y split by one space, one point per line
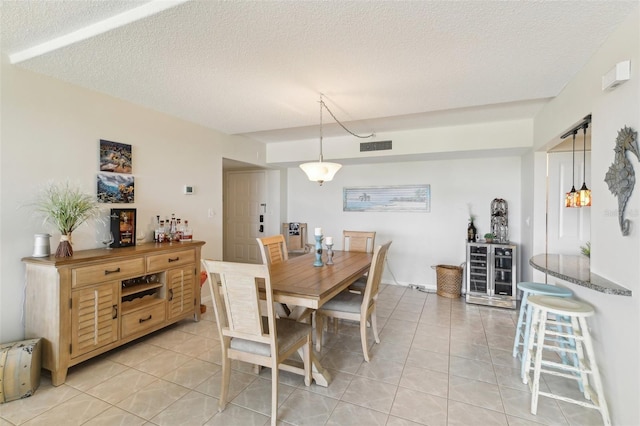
318 231
328 241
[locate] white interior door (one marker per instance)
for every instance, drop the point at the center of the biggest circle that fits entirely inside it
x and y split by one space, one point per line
568 228
244 200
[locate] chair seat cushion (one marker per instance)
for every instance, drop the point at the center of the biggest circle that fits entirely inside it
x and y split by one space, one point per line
359 284
288 331
344 302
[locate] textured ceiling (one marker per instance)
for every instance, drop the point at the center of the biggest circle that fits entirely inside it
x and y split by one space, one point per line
257 68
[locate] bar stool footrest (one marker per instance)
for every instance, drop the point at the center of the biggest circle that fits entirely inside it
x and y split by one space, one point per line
589 404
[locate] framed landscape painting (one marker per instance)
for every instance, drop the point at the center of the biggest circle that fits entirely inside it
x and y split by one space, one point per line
397 198
115 188
115 157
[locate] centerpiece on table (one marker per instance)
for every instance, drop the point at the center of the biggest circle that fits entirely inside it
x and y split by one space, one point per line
66 207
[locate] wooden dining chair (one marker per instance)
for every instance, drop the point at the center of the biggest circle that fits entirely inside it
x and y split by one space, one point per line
295 236
361 241
357 306
245 334
273 249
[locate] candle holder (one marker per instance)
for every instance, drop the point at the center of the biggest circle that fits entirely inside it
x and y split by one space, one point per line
318 261
329 254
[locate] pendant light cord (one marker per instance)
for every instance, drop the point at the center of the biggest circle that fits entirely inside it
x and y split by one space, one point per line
323 104
584 153
573 164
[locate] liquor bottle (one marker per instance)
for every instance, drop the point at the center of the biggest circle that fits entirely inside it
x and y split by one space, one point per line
161 233
172 228
179 229
187 234
156 230
471 232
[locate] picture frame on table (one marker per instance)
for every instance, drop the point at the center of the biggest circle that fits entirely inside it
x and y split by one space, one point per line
123 227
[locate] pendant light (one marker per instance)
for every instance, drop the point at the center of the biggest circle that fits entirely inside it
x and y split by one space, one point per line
585 193
322 171
572 198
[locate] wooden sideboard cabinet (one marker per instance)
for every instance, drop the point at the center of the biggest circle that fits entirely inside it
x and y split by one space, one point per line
99 299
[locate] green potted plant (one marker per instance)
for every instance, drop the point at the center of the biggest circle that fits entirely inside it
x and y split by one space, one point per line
489 237
66 207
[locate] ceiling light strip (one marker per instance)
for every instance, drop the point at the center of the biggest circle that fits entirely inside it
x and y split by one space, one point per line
119 20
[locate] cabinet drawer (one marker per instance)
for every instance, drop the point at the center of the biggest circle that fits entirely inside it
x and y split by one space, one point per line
107 272
169 260
142 319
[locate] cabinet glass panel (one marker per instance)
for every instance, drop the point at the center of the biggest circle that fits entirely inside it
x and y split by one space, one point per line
503 270
478 269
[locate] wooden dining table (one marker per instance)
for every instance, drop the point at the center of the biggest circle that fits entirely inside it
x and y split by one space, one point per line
302 286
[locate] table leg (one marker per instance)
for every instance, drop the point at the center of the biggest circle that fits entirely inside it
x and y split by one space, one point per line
318 372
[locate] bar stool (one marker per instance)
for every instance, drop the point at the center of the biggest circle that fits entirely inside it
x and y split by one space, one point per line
577 313
524 317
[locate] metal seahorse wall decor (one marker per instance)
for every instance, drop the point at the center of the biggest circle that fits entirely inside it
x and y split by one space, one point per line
621 177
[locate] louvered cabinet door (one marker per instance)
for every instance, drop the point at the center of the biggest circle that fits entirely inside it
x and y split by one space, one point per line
180 291
94 317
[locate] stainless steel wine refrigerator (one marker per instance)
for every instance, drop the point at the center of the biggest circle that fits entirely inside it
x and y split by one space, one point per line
492 274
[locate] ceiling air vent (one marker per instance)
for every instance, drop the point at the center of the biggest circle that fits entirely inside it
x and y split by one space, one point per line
375 146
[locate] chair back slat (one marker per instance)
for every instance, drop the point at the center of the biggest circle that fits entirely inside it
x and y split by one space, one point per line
216 297
359 241
240 291
243 303
375 275
273 249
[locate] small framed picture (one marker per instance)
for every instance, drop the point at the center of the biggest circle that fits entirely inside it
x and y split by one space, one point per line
115 188
115 157
123 227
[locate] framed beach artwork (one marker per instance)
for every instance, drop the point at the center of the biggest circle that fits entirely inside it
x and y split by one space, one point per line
115 188
396 198
115 157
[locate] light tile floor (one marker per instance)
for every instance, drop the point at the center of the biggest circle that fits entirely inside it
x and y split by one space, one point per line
440 362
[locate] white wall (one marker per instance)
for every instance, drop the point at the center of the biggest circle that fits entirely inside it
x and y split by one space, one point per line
469 141
420 240
526 219
616 326
51 130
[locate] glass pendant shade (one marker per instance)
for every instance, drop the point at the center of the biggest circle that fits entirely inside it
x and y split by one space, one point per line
585 196
572 198
320 171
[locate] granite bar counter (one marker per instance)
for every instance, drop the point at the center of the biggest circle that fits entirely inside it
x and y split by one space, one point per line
576 270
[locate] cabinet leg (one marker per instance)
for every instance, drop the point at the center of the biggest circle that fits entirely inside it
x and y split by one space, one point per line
59 376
